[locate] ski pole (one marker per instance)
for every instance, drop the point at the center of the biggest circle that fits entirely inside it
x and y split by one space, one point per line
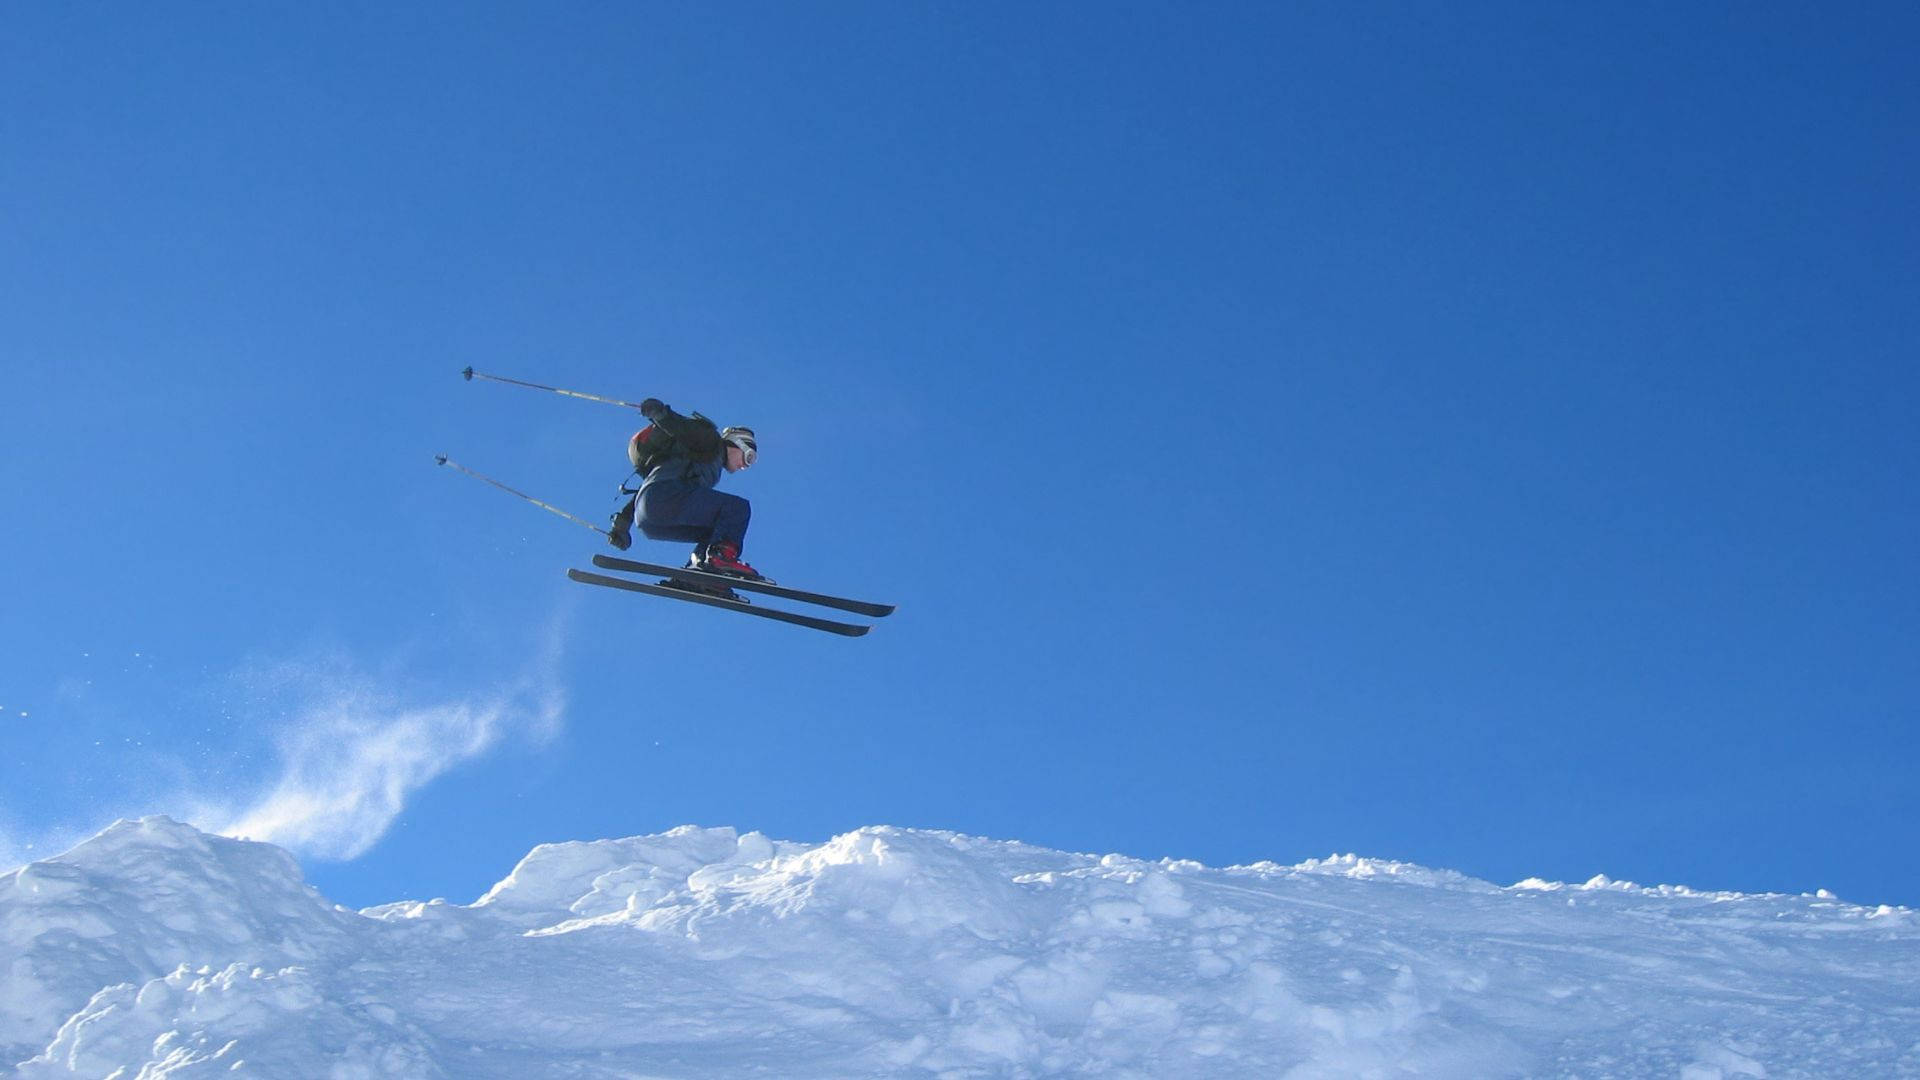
469 374
548 507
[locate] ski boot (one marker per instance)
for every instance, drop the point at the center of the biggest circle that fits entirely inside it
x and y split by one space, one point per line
697 561
723 557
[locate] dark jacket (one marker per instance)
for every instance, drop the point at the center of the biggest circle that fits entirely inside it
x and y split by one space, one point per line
695 458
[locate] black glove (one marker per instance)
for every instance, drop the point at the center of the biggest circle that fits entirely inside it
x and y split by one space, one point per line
653 408
620 533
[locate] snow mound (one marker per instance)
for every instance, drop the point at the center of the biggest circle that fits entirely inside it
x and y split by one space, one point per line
157 951
135 903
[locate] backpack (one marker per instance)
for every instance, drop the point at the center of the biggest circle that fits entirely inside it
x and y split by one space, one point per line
654 444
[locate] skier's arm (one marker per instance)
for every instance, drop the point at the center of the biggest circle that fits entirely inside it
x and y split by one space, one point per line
701 440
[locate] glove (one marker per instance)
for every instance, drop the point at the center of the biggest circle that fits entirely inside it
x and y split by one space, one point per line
620 532
653 408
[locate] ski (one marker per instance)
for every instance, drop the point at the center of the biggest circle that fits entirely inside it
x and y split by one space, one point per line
701 577
794 617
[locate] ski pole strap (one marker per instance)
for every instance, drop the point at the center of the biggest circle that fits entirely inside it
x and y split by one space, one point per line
548 507
469 374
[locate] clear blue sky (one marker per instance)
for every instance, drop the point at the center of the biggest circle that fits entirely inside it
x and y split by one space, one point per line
1481 436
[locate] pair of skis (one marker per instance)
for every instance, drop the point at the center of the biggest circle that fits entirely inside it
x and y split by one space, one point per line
702 578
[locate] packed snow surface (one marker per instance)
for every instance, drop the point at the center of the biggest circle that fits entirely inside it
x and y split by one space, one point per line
155 950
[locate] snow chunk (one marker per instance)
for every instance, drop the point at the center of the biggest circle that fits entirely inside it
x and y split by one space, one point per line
1355 866
556 881
196 1022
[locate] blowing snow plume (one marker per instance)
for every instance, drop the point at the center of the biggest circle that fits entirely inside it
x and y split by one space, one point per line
157 950
353 753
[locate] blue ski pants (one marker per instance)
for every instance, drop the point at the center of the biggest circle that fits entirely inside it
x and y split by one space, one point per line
675 510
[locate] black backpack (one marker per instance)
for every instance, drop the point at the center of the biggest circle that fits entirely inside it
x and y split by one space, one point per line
654 444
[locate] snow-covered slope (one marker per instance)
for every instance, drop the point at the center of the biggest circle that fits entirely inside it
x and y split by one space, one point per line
154 950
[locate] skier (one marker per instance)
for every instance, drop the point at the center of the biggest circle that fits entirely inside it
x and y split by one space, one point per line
679 460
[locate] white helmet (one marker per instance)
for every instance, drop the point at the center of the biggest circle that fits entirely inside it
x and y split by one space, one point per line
743 438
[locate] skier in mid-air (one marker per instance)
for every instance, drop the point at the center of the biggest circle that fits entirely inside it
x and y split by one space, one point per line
679 460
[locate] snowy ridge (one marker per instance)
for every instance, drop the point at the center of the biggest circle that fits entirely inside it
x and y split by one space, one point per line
154 950
1357 867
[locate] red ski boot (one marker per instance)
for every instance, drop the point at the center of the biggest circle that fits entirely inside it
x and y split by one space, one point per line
723 557
698 561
